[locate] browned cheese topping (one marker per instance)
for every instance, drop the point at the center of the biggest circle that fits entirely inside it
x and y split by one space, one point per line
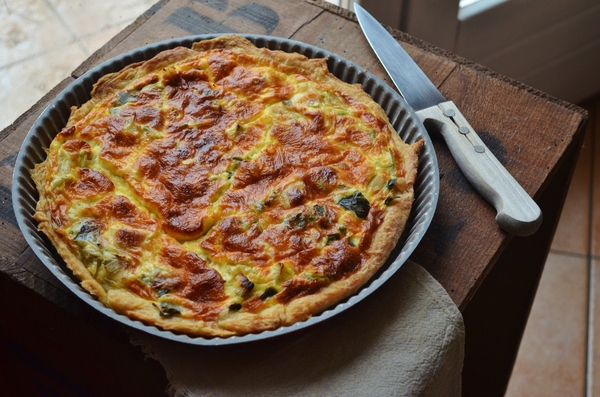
221 181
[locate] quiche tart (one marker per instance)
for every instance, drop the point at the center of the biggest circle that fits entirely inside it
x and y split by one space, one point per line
225 189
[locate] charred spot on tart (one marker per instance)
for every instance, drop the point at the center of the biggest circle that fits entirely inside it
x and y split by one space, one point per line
119 208
112 264
245 284
321 180
89 184
390 199
144 82
356 203
295 196
248 82
78 148
66 132
324 215
198 281
333 237
168 309
88 231
180 82
144 115
163 285
298 220
338 259
129 237
268 293
300 286
319 210
220 64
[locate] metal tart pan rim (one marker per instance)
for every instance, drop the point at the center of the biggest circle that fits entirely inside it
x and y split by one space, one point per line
56 114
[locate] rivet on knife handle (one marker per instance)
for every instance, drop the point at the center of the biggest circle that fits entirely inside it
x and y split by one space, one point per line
517 213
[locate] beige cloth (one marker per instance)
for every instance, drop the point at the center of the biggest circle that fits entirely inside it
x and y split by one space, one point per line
406 339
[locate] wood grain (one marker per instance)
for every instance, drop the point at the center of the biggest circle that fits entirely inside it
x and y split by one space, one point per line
180 18
344 37
48 351
536 137
511 122
496 317
516 212
527 131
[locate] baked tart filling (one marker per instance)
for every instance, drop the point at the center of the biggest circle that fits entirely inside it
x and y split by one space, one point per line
225 189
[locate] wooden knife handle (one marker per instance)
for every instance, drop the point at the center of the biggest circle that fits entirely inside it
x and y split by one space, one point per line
517 213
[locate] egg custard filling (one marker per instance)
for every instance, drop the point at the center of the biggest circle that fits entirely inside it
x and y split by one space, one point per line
225 189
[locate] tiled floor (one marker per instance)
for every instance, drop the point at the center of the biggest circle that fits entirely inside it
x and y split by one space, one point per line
560 351
41 41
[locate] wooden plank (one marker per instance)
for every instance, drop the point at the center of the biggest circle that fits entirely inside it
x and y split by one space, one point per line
453 249
178 18
511 121
338 35
496 317
29 263
30 272
47 351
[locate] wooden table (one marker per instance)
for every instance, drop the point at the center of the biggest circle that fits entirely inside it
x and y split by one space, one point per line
490 275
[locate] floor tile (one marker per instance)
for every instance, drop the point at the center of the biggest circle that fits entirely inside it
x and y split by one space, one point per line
24 83
594 128
42 41
572 233
552 357
82 19
594 332
29 28
94 41
551 360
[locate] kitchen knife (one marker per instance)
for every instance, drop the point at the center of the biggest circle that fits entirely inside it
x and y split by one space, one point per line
516 212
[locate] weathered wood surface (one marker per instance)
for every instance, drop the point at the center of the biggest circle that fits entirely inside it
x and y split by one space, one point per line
527 131
536 137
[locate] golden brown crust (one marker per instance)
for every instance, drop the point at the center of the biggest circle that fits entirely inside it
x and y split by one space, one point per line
225 189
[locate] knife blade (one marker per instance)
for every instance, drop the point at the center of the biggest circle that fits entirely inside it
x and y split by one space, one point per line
516 212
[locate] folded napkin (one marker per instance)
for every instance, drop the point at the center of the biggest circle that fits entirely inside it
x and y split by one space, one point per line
405 339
